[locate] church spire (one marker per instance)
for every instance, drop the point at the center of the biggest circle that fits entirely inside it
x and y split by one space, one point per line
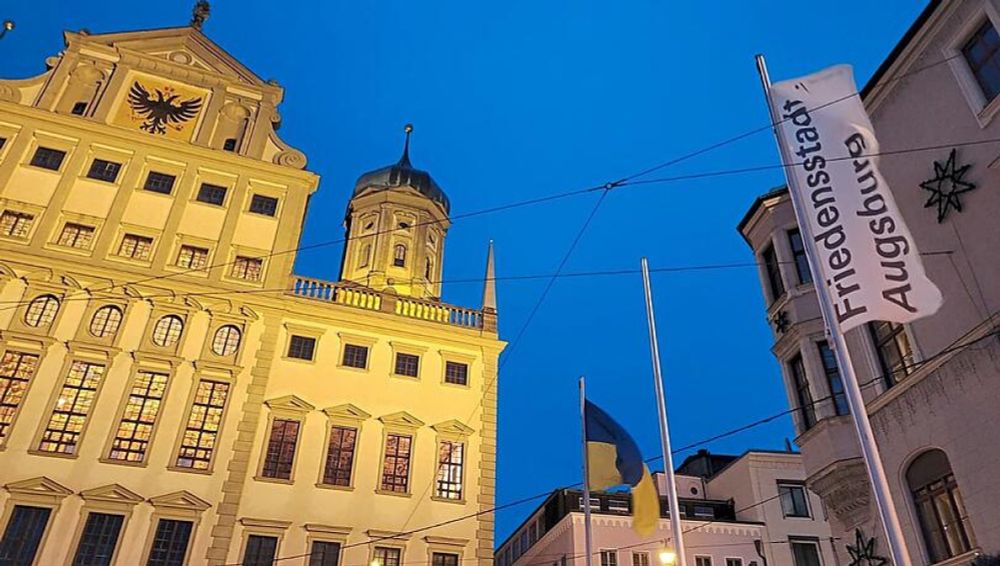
404 160
490 283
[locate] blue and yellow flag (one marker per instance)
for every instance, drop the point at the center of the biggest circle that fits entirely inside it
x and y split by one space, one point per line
613 458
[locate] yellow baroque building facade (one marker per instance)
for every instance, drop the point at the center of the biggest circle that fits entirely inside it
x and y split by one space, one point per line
170 391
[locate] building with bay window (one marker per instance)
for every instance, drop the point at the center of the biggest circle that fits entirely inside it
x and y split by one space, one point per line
170 391
931 387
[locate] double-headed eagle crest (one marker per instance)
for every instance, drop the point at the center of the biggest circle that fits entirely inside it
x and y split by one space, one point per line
161 111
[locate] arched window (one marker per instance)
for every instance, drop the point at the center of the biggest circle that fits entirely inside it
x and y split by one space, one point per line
366 252
399 255
226 340
168 330
106 321
41 310
940 508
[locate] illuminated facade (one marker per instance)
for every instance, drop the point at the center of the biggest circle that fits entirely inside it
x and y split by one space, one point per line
170 392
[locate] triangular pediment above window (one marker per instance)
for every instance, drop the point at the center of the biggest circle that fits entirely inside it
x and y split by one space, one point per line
39 486
346 411
401 419
113 493
453 427
289 403
180 500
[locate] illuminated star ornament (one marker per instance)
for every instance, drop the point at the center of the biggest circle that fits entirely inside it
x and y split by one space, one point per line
863 552
945 187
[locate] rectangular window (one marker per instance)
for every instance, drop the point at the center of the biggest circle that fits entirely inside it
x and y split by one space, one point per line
23 534
609 558
801 384
444 559
799 256
229 144
451 461
191 257
396 466
76 236
260 204
982 53
386 556
773 272
135 430
595 503
892 346
805 553
247 268
79 108
340 456
618 505
833 379
793 500
98 540
640 559
203 425
48 158
301 347
104 170
734 562
16 371
702 561
281 449
136 247
703 511
212 194
16 224
260 551
76 398
407 364
324 553
170 543
456 372
159 183
355 356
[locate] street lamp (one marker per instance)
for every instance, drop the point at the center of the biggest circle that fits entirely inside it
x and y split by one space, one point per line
668 557
7 26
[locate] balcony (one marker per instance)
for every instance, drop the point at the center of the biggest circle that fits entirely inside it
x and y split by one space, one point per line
360 297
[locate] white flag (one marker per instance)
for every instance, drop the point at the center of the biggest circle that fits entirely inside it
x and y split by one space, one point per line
867 258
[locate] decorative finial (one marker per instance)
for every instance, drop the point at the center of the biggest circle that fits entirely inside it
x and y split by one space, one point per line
405 158
8 25
490 283
200 13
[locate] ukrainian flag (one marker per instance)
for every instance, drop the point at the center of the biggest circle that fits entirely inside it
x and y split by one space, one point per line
613 458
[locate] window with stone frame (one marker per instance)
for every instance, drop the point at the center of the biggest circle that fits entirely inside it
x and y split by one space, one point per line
982 54
772 269
226 340
301 347
800 383
451 464
355 356
833 379
23 534
609 558
265 205
340 456
98 539
892 347
159 183
640 558
135 246
78 236
103 170
396 463
279 456
16 371
212 194
106 321
799 257
324 553
48 158
41 311
407 364
805 552
204 422
247 268
167 331
456 373
192 257
444 559
261 550
944 521
794 499
170 543
399 255
135 428
386 556
69 416
16 224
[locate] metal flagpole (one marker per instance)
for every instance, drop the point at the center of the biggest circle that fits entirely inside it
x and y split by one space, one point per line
587 535
661 405
866 438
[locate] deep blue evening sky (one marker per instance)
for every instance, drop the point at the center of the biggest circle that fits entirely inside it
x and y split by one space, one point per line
519 99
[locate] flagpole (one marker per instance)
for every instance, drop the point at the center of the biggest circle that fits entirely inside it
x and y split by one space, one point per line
855 401
661 405
587 535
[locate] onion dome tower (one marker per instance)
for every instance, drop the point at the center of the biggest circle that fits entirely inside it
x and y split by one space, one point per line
396 223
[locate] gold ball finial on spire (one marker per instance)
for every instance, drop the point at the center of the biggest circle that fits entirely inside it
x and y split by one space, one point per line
408 128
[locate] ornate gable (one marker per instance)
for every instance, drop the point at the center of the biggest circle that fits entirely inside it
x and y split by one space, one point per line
346 411
289 404
181 501
401 419
453 427
40 486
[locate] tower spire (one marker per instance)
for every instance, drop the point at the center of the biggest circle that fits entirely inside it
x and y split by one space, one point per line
490 283
405 158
